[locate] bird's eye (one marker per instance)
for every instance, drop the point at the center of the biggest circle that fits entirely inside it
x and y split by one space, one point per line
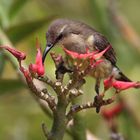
49 45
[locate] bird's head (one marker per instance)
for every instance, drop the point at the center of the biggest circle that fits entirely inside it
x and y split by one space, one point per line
57 30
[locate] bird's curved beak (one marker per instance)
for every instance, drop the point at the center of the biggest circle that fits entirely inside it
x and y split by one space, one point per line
47 49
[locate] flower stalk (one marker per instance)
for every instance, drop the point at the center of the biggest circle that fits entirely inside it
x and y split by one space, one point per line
66 93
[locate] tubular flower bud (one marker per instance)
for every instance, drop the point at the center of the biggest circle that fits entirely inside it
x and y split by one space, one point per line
18 54
76 55
88 55
93 65
108 83
100 54
120 85
38 67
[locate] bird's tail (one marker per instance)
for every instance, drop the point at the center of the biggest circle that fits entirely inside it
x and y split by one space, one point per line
123 78
119 75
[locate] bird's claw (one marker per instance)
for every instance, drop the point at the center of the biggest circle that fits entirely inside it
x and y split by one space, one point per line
61 70
98 101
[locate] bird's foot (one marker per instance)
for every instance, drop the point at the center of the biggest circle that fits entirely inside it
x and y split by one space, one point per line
98 102
97 89
61 67
97 86
61 70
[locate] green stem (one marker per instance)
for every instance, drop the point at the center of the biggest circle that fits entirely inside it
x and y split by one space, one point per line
59 122
79 128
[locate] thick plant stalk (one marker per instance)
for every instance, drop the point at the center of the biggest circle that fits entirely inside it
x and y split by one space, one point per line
78 129
59 122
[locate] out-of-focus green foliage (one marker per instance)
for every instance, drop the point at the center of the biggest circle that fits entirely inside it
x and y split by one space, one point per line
19 32
15 7
23 21
2 63
11 84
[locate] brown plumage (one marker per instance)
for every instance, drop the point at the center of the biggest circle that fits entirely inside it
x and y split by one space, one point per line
76 36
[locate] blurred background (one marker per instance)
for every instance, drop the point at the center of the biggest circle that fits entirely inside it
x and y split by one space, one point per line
21 21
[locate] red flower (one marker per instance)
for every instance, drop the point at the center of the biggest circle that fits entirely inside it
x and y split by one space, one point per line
19 55
93 55
120 85
99 55
38 67
108 83
33 68
76 55
109 114
93 65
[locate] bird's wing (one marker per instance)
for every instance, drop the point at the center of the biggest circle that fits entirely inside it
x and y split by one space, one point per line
102 43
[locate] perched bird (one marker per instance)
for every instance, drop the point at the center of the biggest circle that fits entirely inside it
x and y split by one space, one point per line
77 36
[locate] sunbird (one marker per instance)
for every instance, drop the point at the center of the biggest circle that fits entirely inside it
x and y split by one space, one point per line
77 36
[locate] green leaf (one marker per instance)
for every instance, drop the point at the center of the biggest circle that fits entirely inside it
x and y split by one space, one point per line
16 7
2 62
10 85
19 32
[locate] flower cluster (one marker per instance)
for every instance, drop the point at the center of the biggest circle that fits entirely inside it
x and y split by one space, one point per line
119 85
66 93
92 55
36 68
95 59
